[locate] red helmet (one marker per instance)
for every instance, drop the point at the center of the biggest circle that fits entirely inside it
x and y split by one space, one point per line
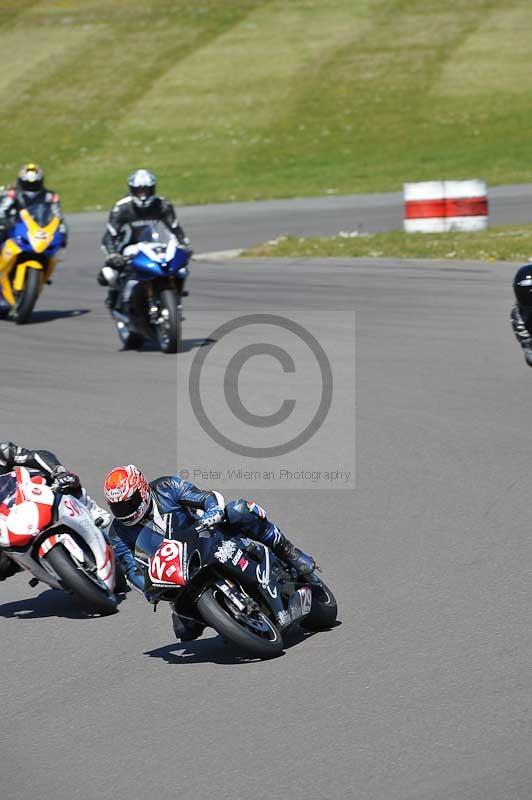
128 494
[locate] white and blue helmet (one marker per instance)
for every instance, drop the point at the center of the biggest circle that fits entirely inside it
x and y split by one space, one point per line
142 185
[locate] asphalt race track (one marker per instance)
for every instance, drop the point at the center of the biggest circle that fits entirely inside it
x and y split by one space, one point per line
423 691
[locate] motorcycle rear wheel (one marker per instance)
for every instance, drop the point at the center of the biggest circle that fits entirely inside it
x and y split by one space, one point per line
216 612
323 611
28 297
84 591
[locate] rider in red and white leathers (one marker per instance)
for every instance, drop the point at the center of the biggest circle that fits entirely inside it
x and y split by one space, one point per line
59 478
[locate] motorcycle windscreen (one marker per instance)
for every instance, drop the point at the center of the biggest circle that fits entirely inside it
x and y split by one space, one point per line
41 212
147 543
153 232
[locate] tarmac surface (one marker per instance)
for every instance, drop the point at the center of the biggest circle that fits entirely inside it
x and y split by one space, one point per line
423 691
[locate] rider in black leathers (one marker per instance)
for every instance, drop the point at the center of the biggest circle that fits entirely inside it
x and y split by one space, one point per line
135 503
128 218
521 313
29 190
58 476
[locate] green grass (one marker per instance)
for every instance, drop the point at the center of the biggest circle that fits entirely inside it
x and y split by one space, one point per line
249 99
504 243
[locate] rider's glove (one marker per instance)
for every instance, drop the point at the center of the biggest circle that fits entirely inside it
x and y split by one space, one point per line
115 261
65 482
211 518
135 579
103 520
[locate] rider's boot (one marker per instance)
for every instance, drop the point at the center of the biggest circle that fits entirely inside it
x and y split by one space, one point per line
185 629
8 567
288 552
110 300
527 352
108 276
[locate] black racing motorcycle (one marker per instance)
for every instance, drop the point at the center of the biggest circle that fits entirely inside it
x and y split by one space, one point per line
232 584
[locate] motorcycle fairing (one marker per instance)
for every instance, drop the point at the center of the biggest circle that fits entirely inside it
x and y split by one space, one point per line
20 273
300 603
75 515
31 512
168 567
27 236
39 237
8 257
151 260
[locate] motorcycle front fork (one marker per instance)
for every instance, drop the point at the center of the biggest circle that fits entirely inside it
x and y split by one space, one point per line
156 316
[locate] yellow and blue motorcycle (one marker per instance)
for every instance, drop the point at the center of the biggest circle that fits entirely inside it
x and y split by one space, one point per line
27 259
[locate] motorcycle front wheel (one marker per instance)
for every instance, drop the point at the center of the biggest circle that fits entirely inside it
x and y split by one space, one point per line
27 297
254 632
87 594
169 326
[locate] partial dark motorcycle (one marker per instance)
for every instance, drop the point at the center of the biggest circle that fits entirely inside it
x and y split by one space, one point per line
54 537
151 288
232 584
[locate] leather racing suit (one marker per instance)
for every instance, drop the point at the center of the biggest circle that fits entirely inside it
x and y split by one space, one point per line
127 220
521 320
171 493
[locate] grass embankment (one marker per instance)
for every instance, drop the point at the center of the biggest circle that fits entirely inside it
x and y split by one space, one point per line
247 99
504 243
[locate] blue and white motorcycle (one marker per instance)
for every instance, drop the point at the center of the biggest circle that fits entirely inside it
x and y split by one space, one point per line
150 290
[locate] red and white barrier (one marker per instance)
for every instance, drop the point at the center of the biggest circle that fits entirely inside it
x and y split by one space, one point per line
439 206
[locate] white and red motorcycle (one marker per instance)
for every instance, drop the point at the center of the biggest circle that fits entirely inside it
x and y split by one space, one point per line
53 536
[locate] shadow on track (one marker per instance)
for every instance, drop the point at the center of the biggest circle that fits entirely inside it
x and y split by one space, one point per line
38 317
186 345
200 651
215 650
50 603
47 316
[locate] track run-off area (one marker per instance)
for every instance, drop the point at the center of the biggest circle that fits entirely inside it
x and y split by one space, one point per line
423 690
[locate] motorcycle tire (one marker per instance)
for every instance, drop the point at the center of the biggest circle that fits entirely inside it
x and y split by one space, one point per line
215 612
323 611
169 332
85 592
27 297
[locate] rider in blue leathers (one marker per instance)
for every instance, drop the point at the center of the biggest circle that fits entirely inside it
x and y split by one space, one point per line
135 503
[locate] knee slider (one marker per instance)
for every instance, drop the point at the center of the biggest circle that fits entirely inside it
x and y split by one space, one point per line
241 509
235 510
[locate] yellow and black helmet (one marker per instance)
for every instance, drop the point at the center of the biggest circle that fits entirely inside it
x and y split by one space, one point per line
30 178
